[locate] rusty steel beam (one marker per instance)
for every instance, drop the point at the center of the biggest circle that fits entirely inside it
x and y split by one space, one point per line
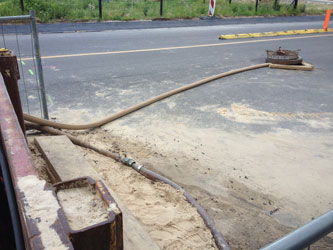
106 235
25 178
43 221
11 75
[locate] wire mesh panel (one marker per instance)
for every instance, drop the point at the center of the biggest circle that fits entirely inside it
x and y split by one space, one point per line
19 36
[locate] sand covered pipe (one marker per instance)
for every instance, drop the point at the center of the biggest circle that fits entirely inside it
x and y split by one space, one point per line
136 107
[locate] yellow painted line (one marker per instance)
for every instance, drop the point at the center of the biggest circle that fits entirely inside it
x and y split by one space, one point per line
278 33
180 47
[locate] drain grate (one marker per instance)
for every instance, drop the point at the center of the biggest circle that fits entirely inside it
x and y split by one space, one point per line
286 57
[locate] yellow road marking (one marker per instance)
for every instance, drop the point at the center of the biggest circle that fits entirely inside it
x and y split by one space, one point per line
278 33
179 47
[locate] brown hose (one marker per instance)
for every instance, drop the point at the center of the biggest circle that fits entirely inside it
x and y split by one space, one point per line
136 107
221 243
45 126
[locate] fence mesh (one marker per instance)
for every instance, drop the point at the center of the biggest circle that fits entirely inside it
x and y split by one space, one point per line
17 37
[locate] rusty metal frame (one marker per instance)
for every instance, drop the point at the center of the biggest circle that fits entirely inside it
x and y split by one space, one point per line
111 230
20 165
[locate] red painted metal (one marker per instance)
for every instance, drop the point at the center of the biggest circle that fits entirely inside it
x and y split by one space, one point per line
20 165
11 75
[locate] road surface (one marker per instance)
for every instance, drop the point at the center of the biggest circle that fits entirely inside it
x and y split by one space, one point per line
254 148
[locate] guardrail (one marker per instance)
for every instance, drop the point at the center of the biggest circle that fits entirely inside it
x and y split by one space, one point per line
306 235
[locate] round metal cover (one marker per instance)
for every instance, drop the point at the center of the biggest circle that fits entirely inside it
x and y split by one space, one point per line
280 56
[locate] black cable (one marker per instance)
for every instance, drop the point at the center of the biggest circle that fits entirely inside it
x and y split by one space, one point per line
18 236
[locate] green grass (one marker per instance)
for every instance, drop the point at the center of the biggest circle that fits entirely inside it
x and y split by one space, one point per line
72 10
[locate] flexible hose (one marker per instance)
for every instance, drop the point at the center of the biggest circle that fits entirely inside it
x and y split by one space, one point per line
221 243
136 107
45 125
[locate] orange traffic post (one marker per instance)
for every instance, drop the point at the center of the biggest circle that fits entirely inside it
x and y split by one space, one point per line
327 19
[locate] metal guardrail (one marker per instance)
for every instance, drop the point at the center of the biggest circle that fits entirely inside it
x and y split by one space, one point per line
306 235
32 19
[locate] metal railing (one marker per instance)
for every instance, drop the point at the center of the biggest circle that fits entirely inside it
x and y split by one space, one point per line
306 235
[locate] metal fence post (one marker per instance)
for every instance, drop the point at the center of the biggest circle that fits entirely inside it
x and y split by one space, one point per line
39 64
161 7
22 6
100 9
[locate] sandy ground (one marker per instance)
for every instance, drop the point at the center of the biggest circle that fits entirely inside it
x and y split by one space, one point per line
246 181
256 186
171 221
248 218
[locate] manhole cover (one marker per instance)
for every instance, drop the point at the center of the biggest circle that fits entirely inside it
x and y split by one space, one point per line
280 56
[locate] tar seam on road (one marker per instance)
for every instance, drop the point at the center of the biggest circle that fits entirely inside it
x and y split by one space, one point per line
277 33
174 48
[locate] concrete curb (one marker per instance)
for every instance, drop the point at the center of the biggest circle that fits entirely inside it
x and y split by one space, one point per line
271 34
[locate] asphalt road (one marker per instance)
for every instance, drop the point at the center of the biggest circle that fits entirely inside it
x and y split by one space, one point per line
116 25
128 67
269 126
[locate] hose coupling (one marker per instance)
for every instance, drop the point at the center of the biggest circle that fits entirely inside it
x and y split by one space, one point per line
131 163
128 161
137 167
